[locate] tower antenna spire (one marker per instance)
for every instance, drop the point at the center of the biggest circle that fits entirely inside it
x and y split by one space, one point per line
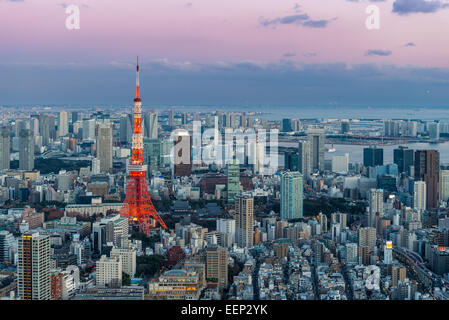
137 80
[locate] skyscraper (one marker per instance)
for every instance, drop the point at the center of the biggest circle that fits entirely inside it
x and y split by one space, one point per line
89 129
291 195
444 185
233 181
33 267
63 123
376 205
244 217
345 126
152 153
5 148
434 130
404 158
217 265
46 128
304 159
391 128
26 150
373 156
150 125
419 195
317 141
367 237
388 252
104 147
352 253
427 168
126 128
6 243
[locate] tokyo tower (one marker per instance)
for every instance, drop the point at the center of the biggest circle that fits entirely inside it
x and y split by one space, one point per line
137 206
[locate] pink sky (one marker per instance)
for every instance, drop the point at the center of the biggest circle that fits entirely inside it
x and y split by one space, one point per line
208 31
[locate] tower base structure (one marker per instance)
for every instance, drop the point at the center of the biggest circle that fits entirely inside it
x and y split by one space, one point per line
138 207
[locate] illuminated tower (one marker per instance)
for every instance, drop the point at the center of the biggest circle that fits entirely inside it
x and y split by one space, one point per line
137 206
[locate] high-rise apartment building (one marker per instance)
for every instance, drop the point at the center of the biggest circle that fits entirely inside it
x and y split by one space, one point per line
217 265
376 205
6 244
304 165
33 267
63 123
26 150
367 237
244 217
352 253
291 195
128 259
5 148
104 147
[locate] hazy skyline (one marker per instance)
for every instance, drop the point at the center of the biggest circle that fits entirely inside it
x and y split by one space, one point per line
201 51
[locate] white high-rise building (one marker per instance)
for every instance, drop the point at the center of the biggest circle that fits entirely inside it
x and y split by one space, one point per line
227 226
388 252
434 130
89 129
63 124
444 185
340 164
109 272
127 257
419 195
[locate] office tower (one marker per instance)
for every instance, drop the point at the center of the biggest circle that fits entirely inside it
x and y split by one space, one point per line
373 156
367 237
286 125
410 129
89 129
304 165
152 153
184 118
46 128
227 227
104 147
244 217
388 252
63 124
419 195
242 121
109 272
233 180
182 154
217 265
427 169
376 205
345 126
33 267
444 185
391 128
75 116
26 150
128 259
126 128
398 274
433 129
317 142
233 120
404 158
6 244
340 164
291 195
291 161
171 118
5 148
352 253
342 219
150 125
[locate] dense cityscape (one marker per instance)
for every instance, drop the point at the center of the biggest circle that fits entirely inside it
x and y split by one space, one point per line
232 213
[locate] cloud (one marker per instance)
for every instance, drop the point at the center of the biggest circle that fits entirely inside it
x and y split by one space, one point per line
310 54
297 19
189 4
410 44
288 55
376 52
405 7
